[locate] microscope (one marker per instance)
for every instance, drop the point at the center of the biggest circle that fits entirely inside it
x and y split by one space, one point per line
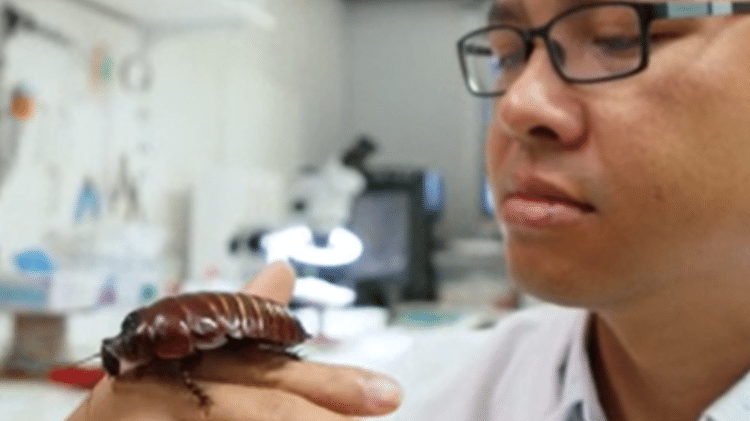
316 241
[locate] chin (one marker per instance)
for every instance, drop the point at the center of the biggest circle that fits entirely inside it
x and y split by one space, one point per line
566 276
561 287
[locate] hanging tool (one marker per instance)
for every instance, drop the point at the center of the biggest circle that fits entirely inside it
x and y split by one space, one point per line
21 107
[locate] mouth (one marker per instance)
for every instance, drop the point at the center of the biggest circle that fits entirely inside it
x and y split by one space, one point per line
540 204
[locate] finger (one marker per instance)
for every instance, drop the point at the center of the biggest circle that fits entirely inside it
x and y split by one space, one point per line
243 403
164 400
121 400
275 282
346 390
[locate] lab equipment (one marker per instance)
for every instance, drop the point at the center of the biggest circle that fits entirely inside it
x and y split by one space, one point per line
395 218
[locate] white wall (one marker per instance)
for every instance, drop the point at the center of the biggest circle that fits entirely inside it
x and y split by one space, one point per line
406 91
254 99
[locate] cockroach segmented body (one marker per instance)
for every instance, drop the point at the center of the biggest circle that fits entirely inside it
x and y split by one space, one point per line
179 328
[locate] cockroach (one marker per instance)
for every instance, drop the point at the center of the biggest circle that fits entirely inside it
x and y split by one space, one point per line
178 329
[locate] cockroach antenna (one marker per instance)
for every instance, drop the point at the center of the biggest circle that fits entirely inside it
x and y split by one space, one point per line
85 360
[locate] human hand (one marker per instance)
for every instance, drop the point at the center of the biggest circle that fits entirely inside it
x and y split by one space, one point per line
263 386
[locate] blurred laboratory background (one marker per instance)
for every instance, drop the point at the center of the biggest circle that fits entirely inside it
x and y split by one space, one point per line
152 147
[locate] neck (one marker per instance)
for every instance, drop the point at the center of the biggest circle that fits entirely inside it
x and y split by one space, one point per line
668 357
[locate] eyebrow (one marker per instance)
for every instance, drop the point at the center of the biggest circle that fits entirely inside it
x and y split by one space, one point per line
503 10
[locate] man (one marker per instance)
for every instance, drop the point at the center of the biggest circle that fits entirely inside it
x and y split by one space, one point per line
619 160
618 156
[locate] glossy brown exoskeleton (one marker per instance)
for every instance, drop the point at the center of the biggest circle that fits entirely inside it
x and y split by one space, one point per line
179 328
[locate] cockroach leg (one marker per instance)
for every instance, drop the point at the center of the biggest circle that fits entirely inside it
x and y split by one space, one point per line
204 401
186 366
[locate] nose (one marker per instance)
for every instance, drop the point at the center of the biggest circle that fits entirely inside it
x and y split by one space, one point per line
540 105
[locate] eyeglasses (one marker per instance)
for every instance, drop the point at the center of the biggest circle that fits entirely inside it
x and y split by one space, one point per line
589 43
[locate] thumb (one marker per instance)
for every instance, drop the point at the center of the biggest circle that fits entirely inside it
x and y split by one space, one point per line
275 282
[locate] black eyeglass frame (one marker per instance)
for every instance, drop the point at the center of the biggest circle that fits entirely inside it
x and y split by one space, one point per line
647 13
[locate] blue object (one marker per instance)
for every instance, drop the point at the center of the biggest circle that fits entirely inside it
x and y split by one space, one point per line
433 193
148 293
427 318
22 295
487 202
34 261
88 202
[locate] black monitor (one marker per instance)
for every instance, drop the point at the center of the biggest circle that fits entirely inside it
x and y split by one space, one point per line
381 219
395 218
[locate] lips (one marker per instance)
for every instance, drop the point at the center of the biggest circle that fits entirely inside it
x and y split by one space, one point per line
537 203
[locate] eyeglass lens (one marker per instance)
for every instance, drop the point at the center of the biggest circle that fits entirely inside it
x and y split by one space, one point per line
587 45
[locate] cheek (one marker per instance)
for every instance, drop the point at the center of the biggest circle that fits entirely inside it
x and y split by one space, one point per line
676 176
496 153
495 148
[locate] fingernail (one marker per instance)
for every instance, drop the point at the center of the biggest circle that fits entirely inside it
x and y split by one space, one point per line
380 393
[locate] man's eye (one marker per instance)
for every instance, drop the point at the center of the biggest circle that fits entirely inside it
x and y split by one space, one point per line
617 44
510 60
663 36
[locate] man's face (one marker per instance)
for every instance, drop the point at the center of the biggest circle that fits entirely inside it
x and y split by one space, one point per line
609 191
